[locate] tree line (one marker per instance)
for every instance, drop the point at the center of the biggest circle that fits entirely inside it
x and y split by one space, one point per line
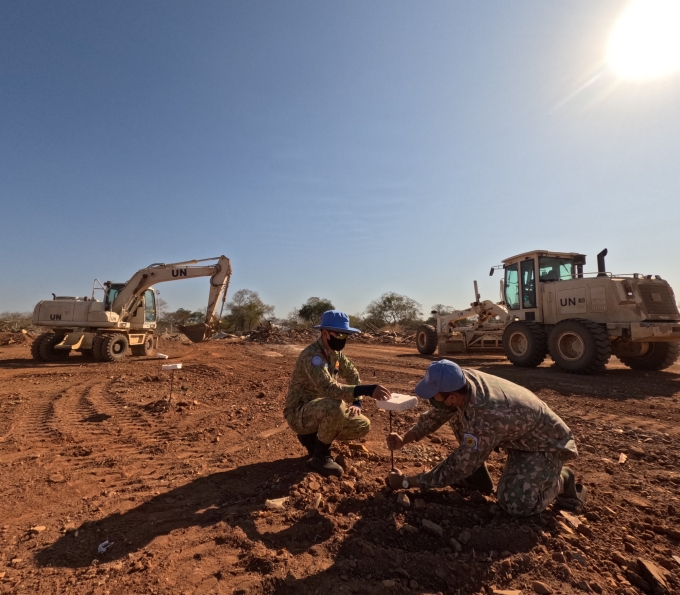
246 311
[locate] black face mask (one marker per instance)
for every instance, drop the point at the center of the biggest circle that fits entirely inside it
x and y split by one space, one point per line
336 344
440 405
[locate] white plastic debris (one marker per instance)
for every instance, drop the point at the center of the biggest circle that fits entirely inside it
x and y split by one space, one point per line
104 546
398 403
276 504
171 367
162 356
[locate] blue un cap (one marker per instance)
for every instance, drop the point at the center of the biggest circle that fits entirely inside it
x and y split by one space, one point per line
335 320
442 376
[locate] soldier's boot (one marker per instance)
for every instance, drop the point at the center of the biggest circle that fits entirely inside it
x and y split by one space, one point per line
322 462
573 495
308 441
480 480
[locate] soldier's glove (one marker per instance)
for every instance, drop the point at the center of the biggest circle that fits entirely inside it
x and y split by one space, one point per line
364 390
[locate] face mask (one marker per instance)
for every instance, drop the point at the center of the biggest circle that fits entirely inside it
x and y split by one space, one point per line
440 405
336 344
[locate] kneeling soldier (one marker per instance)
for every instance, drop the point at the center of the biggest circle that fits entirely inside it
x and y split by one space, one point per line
318 408
487 413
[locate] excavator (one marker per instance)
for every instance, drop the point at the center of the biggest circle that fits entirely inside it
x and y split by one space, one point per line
124 320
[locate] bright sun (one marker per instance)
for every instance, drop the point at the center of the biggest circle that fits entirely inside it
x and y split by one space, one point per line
645 43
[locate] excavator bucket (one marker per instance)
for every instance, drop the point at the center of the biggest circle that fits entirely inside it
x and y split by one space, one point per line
197 333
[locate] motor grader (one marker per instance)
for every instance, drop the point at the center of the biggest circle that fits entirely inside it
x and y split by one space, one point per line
550 306
124 320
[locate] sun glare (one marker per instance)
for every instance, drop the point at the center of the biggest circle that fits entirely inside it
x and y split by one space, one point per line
645 42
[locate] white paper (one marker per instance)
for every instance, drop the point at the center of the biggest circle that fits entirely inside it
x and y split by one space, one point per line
398 403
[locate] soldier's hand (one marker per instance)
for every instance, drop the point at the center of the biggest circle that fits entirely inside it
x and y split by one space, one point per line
394 441
380 393
353 410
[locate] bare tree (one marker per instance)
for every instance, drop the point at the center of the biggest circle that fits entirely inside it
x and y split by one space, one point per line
313 308
246 310
393 308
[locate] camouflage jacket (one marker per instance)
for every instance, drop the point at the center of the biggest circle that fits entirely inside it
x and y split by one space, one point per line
316 376
497 414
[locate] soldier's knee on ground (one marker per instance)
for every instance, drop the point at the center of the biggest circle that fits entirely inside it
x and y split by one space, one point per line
520 502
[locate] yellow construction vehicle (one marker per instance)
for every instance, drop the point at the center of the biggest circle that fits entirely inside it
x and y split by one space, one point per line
550 306
125 319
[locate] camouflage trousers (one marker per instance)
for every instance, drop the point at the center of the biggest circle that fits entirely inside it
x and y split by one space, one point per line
330 419
530 482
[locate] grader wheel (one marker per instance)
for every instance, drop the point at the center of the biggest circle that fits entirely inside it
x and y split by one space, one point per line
525 344
580 346
426 339
658 356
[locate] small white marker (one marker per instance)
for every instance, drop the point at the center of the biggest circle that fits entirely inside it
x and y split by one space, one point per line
171 367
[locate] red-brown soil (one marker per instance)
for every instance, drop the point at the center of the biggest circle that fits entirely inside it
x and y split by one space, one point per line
89 454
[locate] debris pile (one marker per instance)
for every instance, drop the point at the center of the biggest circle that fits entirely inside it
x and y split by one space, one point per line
15 338
387 338
279 336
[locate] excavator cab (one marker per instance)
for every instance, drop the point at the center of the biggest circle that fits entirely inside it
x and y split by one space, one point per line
111 290
144 316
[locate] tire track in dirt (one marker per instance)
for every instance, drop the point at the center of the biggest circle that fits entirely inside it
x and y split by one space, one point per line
37 421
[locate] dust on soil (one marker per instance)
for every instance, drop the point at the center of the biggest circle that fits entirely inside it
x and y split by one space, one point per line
89 452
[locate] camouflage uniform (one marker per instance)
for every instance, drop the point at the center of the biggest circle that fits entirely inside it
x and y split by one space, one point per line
317 402
500 414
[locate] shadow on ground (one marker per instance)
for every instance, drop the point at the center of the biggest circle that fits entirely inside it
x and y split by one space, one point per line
201 503
363 540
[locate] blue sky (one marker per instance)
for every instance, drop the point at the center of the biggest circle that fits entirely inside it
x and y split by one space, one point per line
332 149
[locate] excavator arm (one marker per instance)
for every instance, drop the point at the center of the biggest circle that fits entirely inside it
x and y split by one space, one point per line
131 294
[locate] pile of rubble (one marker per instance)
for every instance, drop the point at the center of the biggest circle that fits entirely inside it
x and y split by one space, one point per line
15 338
387 338
279 336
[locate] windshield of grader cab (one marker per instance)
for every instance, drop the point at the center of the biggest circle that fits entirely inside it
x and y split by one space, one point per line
553 268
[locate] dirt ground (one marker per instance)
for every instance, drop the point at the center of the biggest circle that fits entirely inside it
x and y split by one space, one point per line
88 454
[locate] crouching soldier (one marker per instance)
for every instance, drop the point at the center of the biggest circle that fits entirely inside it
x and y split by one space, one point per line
487 413
318 408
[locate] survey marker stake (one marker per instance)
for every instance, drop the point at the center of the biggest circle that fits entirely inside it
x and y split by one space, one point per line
397 403
172 368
